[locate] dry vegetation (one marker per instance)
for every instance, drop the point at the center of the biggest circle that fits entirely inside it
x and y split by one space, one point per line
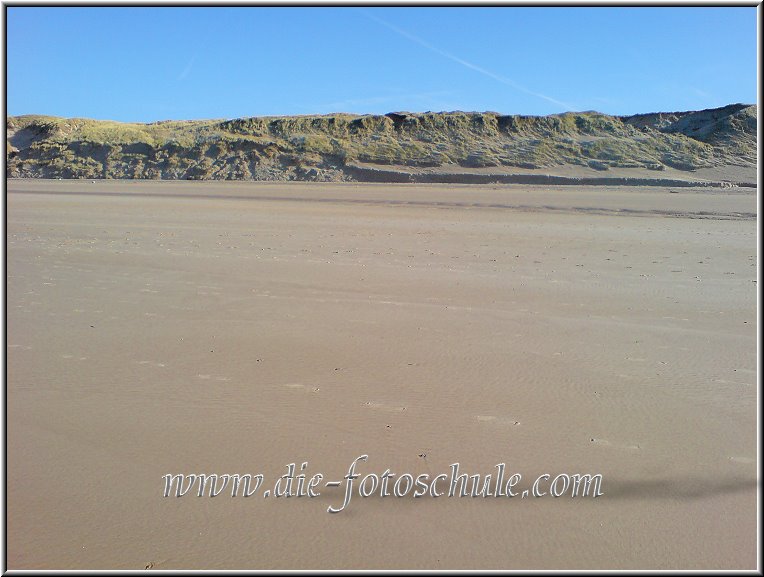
339 146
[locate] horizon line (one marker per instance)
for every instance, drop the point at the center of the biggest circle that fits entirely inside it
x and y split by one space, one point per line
362 114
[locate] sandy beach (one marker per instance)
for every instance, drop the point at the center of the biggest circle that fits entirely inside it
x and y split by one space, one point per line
200 327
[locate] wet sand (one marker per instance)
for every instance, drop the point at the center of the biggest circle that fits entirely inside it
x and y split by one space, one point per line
176 327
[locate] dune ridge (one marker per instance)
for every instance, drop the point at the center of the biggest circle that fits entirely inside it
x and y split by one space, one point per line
665 149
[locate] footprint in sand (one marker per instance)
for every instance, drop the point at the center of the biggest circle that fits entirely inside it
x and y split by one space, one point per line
606 443
152 564
219 378
384 407
741 460
748 371
300 386
151 363
725 382
497 420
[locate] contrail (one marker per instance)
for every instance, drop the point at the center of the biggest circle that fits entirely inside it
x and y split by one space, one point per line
188 68
466 64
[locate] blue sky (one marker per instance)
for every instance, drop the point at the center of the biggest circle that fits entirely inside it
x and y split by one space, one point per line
144 64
